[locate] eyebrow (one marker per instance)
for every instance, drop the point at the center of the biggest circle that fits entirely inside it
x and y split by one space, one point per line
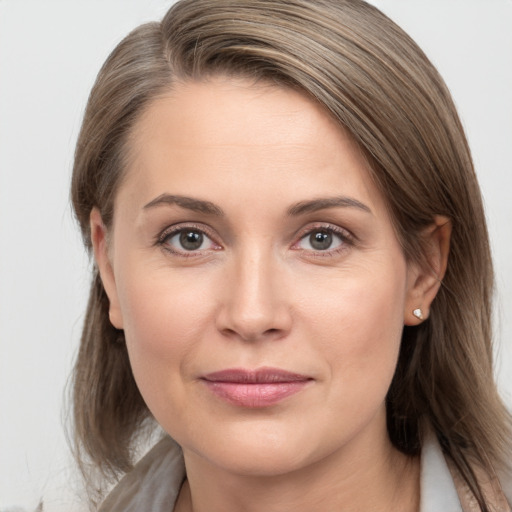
196 205
326 202
301 208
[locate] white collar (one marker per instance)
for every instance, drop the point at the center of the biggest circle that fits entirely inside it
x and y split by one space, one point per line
437 489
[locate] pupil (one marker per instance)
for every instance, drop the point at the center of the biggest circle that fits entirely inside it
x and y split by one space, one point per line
191 240
320 240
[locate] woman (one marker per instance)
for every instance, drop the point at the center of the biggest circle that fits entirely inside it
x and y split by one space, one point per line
293 274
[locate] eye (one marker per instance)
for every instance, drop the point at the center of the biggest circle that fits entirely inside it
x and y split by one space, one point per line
319 240
186 240
324 239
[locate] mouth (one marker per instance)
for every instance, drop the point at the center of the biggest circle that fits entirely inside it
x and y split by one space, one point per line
259 388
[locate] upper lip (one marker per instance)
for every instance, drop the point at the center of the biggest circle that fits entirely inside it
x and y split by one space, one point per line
258 376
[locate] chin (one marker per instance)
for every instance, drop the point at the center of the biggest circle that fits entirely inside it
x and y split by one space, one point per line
261 449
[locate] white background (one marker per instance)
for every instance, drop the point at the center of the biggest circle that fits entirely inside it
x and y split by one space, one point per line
50 52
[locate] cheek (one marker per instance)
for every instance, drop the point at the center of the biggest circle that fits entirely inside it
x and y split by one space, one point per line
361 317
161 304
165 318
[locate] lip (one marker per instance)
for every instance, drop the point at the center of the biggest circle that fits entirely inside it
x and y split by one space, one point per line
263 387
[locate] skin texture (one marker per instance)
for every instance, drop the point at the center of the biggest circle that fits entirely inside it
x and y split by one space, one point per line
258 294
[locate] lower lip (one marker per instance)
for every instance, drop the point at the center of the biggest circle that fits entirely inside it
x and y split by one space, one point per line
256 394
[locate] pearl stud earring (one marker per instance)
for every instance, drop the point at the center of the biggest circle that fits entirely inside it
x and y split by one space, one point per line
418 313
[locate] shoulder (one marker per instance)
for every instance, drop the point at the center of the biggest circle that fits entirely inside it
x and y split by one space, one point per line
153 484
442 488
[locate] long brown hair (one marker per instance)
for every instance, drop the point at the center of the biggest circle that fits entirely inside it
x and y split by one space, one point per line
376 82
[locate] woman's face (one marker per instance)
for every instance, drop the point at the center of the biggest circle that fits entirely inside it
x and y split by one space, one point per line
255 271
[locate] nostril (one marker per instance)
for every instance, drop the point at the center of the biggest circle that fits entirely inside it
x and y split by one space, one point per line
249 335
254 315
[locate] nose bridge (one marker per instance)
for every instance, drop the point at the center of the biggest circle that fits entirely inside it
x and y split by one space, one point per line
255 305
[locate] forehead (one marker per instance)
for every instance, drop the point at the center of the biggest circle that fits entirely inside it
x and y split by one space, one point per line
233 130
234 111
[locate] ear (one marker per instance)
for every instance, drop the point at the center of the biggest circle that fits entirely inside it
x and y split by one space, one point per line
103 261
424 280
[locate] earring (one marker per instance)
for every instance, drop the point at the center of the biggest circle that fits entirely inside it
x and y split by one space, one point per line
418 313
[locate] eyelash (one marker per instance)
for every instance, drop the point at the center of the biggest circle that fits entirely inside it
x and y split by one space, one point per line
347 239
169 232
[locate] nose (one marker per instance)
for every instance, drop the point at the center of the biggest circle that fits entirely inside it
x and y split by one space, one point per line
254 304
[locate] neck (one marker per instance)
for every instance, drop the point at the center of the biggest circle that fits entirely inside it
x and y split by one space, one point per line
373 477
